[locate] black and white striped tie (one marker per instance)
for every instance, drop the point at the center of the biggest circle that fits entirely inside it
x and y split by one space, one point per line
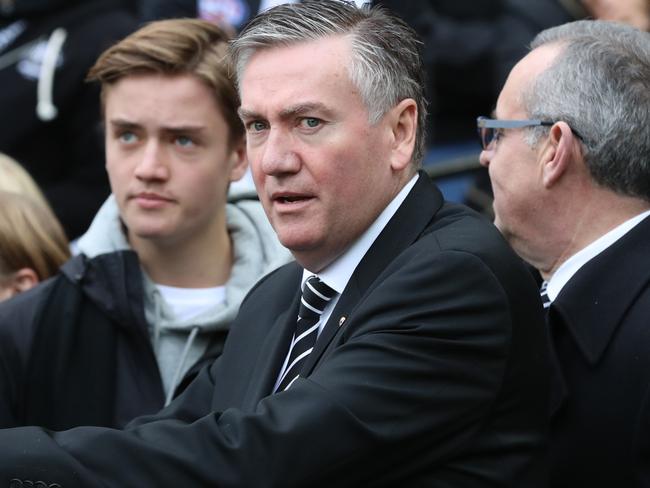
315 297
546 301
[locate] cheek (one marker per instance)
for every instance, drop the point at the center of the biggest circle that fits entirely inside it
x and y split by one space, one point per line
203 188
5 292
257 174
119 178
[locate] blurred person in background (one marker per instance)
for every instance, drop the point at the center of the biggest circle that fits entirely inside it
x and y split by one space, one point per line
633 12
52 118
14 178
231 15
32 243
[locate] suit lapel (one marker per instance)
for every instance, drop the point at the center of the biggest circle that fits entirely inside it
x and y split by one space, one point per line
273 350
559 390
593 303
408 223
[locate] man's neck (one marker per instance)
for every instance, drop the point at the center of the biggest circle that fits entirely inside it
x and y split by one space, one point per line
203 262
602 213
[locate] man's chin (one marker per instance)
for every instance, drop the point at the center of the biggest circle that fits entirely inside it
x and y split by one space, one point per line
149 233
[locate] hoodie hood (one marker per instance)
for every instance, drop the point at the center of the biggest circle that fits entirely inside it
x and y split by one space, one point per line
256 251
180 343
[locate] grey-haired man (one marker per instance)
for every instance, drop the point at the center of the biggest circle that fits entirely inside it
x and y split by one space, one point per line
422 360
568 159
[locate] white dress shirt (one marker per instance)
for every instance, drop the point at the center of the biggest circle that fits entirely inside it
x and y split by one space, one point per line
571 266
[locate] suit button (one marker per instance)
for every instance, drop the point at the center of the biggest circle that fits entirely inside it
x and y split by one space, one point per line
15 483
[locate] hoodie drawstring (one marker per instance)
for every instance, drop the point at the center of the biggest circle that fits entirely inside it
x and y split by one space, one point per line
181 363
45 108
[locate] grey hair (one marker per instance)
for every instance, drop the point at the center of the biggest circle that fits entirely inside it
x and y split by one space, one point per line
386 65
599 84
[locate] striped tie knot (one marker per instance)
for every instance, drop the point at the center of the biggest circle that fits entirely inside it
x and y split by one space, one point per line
543 293
315 297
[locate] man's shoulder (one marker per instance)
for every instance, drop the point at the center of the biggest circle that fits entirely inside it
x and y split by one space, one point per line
19 316
26 306
277 282
458 237
625 262
459 228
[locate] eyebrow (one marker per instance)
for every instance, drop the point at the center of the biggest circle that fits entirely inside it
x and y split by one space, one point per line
289 112
184 129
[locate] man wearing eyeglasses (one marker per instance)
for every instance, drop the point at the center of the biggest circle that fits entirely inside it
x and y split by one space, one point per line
568 152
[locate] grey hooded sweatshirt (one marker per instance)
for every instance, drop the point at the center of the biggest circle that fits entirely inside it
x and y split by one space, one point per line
178 344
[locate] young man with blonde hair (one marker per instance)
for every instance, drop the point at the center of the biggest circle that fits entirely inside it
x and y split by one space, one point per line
167 260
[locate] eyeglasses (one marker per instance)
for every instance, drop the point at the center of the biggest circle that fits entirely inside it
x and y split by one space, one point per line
489 130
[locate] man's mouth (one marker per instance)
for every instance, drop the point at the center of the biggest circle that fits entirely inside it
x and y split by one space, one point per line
291 199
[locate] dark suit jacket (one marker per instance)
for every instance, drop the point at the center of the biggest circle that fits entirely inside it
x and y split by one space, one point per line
432 371
600 324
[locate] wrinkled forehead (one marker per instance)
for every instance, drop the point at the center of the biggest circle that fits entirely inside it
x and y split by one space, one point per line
292 55
297 73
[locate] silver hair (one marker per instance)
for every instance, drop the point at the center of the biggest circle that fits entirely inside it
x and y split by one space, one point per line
599 84
386 65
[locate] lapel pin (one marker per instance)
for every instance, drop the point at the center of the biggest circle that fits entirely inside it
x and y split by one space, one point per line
341 320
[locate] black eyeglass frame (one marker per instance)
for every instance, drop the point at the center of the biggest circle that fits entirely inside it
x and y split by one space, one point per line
486 126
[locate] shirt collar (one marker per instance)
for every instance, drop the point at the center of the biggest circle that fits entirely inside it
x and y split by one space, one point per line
337 274
571 266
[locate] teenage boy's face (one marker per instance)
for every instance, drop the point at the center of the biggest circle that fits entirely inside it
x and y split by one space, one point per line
168 157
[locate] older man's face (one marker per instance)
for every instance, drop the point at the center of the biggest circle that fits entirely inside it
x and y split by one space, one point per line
512 163
322 171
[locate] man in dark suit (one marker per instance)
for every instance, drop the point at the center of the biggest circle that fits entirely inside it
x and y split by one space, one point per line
416 357
568 158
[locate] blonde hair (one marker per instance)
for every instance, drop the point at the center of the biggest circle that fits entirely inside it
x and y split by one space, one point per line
176 47
16 179
30 236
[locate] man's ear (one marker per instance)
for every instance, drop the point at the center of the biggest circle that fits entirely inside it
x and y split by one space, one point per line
238 160
403 125
21 280
557 153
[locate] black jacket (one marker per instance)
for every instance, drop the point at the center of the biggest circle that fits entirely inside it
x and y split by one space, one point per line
430 372
62 150
600 325
44 374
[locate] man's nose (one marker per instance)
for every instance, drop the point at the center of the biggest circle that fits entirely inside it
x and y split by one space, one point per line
153 163
279 154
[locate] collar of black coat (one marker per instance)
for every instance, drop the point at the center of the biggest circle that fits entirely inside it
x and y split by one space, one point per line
410 220
594 302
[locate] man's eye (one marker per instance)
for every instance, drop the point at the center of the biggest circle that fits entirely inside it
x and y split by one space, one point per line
256 126
310 122
184 141
127 137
